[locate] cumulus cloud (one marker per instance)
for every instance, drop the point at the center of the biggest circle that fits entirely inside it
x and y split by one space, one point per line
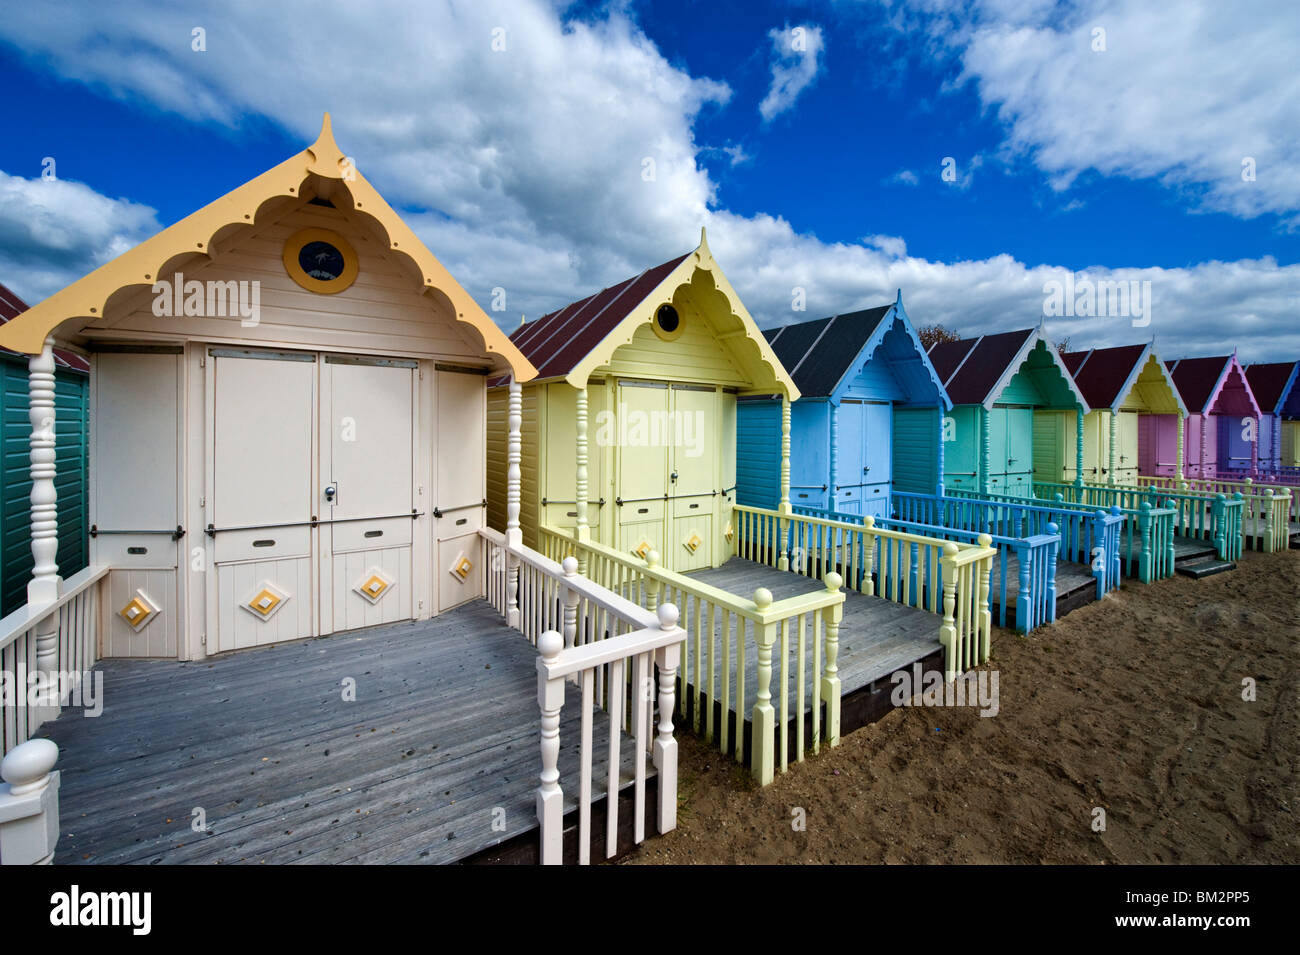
53 231
1191 96
796 60
524 167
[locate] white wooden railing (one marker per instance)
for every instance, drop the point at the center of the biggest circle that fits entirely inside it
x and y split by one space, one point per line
44 651
609 647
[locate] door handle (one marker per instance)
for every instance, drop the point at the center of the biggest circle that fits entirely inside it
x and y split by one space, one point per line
331 491
673 477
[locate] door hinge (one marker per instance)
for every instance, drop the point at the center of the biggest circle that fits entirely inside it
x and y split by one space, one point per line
203 361
420 605
203 502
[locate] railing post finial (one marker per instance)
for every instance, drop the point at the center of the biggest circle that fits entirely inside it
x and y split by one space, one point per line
29 803
550 799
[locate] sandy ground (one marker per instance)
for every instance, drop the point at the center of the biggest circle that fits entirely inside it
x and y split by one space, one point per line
1132 705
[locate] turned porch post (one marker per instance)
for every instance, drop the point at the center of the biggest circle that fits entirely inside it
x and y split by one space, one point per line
1114 444
1178 457
514 537
581 531
784 507
1078 446
46 586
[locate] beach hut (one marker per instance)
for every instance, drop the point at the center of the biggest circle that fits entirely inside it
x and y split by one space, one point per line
1219 432
72 403
1125 387
287 397
632 417
1015 409
865 388
1278 397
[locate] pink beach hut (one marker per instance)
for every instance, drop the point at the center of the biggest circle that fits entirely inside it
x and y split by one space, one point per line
1219 435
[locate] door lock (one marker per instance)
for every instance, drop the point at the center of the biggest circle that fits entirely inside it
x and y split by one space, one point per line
331 491
673 477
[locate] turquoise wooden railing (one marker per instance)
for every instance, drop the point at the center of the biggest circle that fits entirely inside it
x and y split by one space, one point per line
1210 517
1268 507
1035 601
1142 540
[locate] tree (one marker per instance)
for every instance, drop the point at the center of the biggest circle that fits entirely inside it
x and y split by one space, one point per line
932 335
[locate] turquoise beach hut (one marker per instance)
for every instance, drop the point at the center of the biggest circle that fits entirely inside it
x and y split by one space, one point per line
1005 428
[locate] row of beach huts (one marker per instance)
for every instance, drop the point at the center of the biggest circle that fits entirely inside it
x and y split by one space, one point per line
686 521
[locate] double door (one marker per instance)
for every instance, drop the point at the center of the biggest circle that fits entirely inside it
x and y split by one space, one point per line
864 457
312 501
1011 456
666 471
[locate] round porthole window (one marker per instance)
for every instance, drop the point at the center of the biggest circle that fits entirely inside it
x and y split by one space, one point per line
667 323
320 261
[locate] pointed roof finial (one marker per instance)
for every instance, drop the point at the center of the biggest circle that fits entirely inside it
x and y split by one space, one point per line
326 155
898 299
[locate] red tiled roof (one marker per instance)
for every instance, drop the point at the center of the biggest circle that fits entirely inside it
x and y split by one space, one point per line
557 342
11 306
1104 372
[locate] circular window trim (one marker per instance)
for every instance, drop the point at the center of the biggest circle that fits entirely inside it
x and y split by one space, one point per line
294 246
662 332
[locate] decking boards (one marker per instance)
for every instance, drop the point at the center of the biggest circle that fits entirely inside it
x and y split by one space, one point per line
1191 548
444 731
1071 579
877 636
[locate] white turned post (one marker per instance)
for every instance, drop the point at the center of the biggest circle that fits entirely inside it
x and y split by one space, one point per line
550 800
652 585
1113 454
514 537
571 599
581 530
762 763
830 675
665 748
46 585
1178 457
1205 440
29 804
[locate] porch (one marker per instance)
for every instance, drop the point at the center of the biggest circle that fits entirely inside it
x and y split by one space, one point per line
435 761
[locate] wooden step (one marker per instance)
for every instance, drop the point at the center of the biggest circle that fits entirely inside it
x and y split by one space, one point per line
1206 567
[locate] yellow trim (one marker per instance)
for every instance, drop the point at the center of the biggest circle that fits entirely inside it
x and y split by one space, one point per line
84 301
750 345
293 248
662 332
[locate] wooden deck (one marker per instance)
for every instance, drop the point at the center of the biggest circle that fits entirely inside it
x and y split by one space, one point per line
1075 586
442 740
1191 548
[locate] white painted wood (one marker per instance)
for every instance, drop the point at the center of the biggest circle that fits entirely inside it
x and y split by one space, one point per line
550 799
29 804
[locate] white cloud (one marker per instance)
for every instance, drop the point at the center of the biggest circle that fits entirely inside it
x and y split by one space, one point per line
1181 94
905 176
796 59
53 231
523 168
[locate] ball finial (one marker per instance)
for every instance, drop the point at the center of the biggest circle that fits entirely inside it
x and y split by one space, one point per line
570 565
762 598
550 644
668 615
28 764
834 581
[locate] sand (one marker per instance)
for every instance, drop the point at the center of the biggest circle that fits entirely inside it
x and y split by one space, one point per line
1132 705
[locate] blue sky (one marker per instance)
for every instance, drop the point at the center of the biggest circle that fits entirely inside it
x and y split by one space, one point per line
808 137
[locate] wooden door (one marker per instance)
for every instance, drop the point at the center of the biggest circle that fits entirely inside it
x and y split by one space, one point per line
1019 436
877 469
641 466
1126 460
693 477
366 421
850 457
263 496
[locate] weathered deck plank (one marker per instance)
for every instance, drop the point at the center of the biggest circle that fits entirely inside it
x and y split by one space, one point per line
441 741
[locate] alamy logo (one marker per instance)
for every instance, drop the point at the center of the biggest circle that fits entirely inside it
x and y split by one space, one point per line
1081 297
977 688
212 299
75 907
651 429
76 688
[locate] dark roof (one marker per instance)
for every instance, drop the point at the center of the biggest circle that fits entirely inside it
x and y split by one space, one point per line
11 306
1195 379
1268 382
556 342
971 367
1104 372
817 354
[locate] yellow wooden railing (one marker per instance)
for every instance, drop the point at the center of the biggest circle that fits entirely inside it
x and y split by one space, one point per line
944 577
799 637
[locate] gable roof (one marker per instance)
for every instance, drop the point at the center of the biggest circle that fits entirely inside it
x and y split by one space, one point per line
975 370
85 301
572 342
11 306
557 341
1103 373
1201 380
1272 384
821 354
